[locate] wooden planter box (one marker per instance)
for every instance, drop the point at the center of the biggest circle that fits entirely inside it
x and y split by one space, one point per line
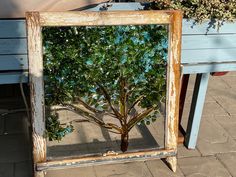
208 50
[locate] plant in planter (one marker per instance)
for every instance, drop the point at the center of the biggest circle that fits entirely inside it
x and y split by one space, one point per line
201 18
218 11
118 71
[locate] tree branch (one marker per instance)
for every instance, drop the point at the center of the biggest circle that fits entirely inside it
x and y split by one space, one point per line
134 104
108 98
87 106
76 120
139 117
82 112
114 126
91 118
86 120
109 114
123 99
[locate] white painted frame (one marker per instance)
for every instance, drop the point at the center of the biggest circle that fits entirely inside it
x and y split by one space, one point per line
35 22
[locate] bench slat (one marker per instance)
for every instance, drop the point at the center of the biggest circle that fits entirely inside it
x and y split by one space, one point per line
208 55
208 67
209 41
13 46
12 78
12 28
13 62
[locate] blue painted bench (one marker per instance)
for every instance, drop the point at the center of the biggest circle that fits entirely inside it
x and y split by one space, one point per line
13 51
201 55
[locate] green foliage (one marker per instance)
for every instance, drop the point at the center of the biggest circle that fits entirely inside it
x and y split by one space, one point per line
78 59
101 66
218 11
54 130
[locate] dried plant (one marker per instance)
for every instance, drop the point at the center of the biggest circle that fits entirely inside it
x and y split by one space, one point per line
217 11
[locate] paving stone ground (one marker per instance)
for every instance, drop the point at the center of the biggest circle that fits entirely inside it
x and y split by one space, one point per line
214 156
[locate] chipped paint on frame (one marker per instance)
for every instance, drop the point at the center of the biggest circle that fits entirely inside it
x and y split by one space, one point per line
35 20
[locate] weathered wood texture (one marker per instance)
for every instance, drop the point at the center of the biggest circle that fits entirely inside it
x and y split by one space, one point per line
36 86
101 160
103 18
173 86
34 23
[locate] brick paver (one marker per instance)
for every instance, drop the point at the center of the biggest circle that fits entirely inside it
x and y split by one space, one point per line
159 168
203 166
214 139
183 152
73 172
123 170
229 161
214 156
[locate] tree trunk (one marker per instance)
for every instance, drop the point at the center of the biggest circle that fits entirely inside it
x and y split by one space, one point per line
124 142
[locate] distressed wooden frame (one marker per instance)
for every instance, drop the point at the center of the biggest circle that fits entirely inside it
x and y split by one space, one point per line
36 20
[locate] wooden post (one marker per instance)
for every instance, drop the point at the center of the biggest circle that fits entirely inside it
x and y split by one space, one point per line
171 129
36 88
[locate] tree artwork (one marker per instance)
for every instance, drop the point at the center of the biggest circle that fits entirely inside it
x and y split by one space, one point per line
118 71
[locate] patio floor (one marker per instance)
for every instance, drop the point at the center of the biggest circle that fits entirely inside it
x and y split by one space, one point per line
215 155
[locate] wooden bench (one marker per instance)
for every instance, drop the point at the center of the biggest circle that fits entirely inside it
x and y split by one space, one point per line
13 51
201 55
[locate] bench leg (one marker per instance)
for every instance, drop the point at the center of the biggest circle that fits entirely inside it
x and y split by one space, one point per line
198 100
184 86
